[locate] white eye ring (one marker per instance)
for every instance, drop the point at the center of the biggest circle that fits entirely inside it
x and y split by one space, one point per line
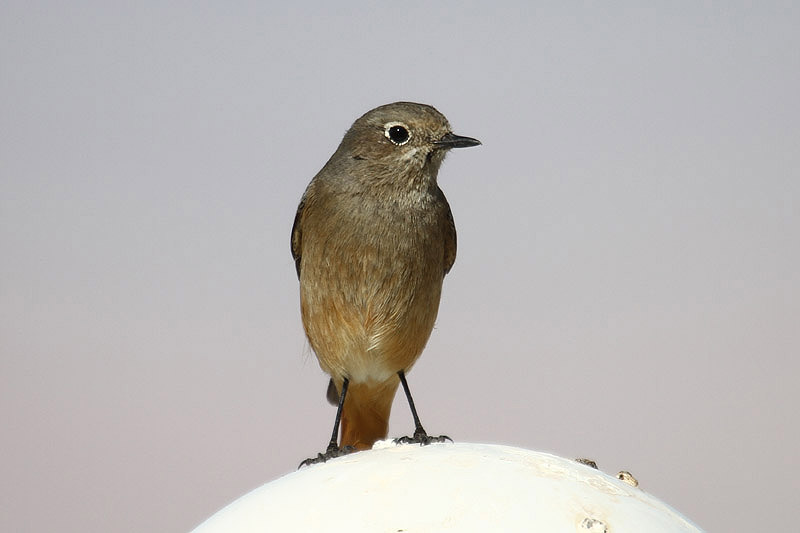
397 133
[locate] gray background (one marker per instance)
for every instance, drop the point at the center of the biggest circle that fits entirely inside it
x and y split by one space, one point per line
627 286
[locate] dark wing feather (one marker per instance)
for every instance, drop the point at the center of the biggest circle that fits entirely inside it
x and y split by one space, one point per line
449 240
297 236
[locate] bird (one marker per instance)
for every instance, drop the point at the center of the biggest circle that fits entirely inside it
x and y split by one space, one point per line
372 241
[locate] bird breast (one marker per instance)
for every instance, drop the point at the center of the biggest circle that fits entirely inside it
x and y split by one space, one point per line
370 282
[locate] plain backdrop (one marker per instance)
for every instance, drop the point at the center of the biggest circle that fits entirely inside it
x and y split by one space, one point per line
627 286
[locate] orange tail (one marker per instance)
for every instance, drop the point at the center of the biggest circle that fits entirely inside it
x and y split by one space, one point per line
365 417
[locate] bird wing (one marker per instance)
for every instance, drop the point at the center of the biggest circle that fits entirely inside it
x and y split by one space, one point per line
449 240
297 236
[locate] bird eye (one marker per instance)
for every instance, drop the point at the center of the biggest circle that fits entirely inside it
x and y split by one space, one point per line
397 133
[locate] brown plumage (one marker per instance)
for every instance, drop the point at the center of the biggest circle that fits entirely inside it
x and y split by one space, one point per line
372 241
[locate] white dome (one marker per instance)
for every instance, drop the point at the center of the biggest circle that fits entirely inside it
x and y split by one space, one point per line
441 487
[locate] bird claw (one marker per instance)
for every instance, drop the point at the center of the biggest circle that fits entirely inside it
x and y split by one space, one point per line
422 438
331 453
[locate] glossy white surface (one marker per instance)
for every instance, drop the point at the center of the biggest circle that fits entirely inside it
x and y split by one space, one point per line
441 487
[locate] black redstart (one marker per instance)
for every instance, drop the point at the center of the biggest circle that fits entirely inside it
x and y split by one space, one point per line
372 241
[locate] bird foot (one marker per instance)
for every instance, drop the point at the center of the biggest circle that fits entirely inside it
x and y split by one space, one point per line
422 438
332 451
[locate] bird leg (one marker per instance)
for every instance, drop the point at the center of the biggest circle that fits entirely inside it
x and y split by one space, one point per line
333 449
420 435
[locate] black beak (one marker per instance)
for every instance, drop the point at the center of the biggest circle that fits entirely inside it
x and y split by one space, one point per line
451 140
